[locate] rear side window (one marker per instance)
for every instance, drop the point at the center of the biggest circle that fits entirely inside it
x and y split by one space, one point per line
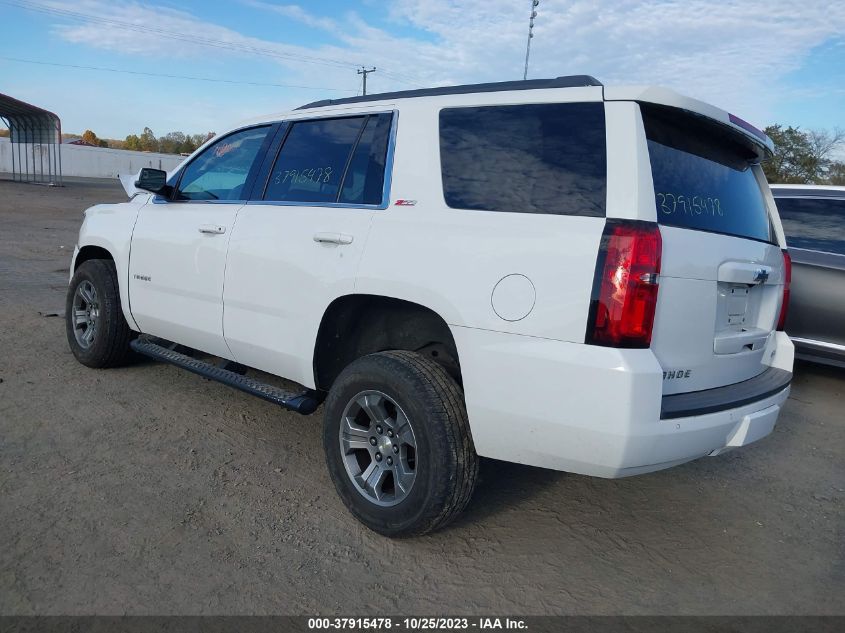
703 175
816 224
364 180
538 158
332 160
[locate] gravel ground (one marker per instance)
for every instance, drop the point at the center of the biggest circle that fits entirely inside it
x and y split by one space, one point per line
148 490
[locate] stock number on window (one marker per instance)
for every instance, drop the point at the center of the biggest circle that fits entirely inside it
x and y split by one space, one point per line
294 176
670 203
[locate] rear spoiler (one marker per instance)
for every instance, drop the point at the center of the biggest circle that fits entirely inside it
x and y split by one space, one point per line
666 97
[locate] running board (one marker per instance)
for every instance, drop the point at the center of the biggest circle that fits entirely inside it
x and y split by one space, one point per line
305 402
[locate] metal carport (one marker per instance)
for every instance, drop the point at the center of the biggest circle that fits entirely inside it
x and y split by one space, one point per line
36 137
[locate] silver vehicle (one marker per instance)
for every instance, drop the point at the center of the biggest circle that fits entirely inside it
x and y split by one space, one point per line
814 223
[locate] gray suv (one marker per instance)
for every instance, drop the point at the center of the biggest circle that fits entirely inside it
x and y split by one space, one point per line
814 222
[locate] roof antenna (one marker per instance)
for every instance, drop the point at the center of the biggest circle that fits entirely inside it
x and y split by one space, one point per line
534 4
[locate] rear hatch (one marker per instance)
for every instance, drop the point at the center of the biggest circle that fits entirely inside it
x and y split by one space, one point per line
722 271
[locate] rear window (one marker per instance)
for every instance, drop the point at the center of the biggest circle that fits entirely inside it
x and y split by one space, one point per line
816 224
703 176
539 158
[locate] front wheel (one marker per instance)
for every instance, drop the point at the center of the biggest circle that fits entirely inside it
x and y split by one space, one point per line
97 331
398 445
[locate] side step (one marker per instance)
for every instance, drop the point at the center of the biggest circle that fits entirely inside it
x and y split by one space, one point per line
305 402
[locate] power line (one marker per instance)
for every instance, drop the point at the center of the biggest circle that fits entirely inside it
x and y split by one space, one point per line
138 72
185 37
364 72
176 35
417 83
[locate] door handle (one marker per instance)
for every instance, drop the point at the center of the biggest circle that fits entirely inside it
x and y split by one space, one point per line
212 229
743 273
332 238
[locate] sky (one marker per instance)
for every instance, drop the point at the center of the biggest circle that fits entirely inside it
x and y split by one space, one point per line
768 61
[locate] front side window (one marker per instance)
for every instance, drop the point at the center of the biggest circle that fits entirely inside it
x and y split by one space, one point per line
221 171
816 224
536 158
332 160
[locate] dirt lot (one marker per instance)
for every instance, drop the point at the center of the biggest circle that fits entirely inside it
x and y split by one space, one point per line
150 490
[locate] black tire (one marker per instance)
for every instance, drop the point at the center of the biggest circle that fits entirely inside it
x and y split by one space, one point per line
109 346
445 461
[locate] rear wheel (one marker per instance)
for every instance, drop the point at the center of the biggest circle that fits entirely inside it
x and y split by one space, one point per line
97 331
398 445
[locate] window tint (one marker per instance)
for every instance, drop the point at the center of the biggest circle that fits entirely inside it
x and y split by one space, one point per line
364 180
221 171
540 158
703 176
816 224
332 160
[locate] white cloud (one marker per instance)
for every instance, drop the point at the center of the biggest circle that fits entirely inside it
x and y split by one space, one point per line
295 12
732 53
136 29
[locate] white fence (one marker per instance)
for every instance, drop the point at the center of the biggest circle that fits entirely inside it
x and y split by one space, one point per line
96 162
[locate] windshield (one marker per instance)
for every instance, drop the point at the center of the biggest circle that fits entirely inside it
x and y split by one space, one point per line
704 176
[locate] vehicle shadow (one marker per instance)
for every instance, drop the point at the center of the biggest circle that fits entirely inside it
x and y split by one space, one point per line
806 368
502 485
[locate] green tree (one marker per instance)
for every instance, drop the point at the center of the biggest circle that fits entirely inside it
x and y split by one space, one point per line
132 142
801 157
149 142
836 174
171 142
187 145
202 138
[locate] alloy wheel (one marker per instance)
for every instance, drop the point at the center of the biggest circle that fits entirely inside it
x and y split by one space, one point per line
86 314
378 448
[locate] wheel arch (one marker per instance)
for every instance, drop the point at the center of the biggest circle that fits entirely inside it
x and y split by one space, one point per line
356 325
97 247
88 252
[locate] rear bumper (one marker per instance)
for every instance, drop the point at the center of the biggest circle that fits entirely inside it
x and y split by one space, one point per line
696 403
597 411
681 440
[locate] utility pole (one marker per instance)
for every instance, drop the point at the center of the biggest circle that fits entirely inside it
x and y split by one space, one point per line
365 72
534 4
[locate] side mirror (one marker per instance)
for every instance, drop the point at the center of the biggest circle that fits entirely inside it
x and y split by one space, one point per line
152 180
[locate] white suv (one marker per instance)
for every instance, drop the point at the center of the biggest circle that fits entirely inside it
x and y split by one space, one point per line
549 272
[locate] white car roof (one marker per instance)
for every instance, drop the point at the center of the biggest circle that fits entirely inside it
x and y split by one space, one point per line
515 92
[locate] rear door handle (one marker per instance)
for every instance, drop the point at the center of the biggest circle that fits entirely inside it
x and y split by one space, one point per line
212 229
333 238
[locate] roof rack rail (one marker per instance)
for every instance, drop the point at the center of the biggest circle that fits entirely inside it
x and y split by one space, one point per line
572 81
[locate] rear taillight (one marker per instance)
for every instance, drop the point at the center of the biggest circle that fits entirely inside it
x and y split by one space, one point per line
625 285
787 279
